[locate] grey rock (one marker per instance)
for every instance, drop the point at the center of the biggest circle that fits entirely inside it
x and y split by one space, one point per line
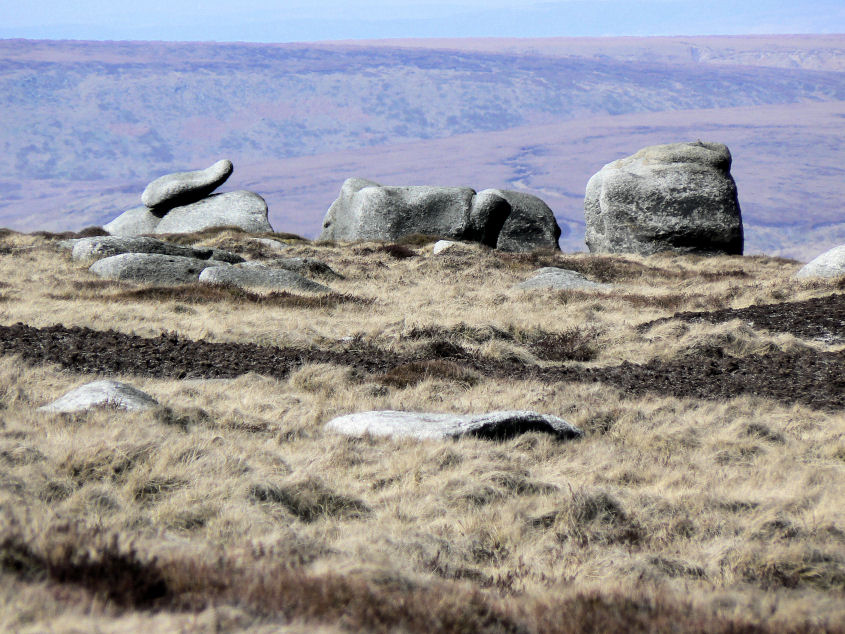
426 426
829 264
261 277
678 197
242 209
153 268
106 246
273 244
443 245
102 394
67 245
557 278
138 221
530 225
183 188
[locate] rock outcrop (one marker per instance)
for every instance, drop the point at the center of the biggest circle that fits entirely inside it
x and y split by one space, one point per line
829 264
679 197
258 276
152 268
511 221
559 279
183 203
427 426
102 394
107 246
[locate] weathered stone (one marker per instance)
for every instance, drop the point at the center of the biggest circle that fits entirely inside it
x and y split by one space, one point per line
679 197
530 225
427 426
557 278
272 244
260 277
242 209
138 221
184 188
106 246
102 394
153 268
443 245
829 264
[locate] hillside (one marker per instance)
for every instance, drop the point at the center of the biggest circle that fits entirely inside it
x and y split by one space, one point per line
88 124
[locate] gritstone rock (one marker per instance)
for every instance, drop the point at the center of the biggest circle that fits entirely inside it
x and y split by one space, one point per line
679 197
556 278
153 268
134 222
183 188
365 210
106 246
426 426
102 394
442 245
829 264
260 277
242 209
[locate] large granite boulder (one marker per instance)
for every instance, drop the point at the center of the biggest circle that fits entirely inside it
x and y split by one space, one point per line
153 268
137 221
258 276
512 221
242 209
678 197
829 264
102 394
107 246
183 188
428 426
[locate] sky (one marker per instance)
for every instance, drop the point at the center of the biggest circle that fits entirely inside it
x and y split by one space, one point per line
318 20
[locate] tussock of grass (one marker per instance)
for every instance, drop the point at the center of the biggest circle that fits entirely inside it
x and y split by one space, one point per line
409 374
309 500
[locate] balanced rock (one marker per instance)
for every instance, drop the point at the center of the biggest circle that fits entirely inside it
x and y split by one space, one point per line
183 188
499 425
560 279
102 394
242 209
107 246
678 197
253 276
137 221
829 264
365 210
153 268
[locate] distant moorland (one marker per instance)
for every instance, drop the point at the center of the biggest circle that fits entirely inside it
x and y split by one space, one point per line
88 124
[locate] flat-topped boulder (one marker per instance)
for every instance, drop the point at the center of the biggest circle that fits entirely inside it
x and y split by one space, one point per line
137 221
366 210
183 188
152 268
560 279
257 276
240 209
499 425
829 264
102 394
107 246
678 197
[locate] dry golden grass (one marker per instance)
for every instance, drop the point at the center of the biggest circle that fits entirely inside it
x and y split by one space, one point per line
233 510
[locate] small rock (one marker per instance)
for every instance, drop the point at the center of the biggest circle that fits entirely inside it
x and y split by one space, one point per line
273 244
183 188
260 277
153 268
557 278
443 245
137 221
106 246
829 264
427 426
242 209
102 394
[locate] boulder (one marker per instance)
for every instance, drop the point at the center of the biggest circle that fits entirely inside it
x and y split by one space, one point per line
183 188
829 264
426 426
678 197
561 279
102 394
242 209
107 246
530 225
442 245
153 268
138 221
512 221
260 277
